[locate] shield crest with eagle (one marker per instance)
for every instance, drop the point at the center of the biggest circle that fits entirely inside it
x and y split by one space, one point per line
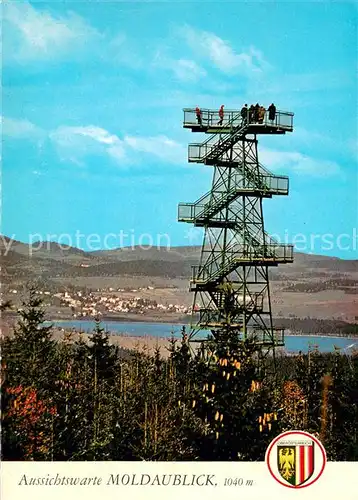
296 462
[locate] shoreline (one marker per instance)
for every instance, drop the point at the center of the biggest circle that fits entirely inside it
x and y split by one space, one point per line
122 319
149 343
171 324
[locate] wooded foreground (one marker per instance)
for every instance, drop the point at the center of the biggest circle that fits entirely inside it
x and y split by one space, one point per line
74 400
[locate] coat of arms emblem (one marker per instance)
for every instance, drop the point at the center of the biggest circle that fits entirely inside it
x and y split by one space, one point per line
296 463
296 459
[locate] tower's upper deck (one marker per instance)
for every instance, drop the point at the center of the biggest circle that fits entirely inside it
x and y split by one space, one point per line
210 122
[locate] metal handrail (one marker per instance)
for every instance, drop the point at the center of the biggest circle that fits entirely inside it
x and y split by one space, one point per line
211 201
222 138
249 252
275 335
208 116
239 125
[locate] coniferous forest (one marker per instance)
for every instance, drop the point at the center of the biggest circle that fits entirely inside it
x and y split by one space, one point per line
78 400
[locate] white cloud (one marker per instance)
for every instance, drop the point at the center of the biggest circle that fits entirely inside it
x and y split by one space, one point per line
20 129
76 143
222 55
37 34
96 133
186 70
293 161
160 146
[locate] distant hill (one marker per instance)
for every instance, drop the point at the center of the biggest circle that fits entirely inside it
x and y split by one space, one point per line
42 249
50 260
173 254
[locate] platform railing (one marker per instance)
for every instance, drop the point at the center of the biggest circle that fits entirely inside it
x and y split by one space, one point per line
267 337
233 123
199 152
188 212
232 118
211 118
239 253
237 126
213 149
276 252
214 317
264 181
251 301
212 202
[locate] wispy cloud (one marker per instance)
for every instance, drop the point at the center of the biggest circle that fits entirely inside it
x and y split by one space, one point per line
222 54
160 146
37 34
76 143
183 69
188 70
79 143
298 163
20 129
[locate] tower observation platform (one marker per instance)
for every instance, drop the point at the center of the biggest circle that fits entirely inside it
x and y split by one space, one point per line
231 283
282 123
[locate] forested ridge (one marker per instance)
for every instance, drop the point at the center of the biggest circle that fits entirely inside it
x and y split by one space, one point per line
74 400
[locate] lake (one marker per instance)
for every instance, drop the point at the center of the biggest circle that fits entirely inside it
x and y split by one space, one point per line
294 343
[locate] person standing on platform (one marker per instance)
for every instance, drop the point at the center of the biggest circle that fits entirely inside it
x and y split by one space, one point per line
272 112
257 111
251 113
262 112
244 114
221 115
198 115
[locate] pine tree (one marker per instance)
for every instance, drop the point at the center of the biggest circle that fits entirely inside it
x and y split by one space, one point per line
103 356
103 362
341 415
30 353
27 392
234 401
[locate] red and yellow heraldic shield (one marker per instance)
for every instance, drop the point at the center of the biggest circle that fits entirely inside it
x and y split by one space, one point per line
296 459
296 463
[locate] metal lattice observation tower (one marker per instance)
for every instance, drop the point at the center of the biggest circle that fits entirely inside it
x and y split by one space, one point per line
231 282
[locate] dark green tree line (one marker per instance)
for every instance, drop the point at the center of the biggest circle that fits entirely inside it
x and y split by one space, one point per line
85 399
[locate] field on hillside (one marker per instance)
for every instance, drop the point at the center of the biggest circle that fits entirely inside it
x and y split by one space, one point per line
313 286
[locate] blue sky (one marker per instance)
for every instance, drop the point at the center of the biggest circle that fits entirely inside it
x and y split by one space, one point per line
92 115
